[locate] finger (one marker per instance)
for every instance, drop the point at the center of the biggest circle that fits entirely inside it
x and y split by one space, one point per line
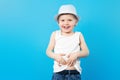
63 62
62 54
71 63
68 62
68 55
59 64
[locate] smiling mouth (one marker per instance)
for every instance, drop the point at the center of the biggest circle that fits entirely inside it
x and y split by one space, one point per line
66 27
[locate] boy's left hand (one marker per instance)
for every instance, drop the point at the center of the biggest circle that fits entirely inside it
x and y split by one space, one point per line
71 59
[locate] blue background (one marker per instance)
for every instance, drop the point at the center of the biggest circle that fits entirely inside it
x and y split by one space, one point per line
25 28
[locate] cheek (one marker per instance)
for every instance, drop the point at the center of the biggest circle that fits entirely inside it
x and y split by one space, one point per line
60 26
73 24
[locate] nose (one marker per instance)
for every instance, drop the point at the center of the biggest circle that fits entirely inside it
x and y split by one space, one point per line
66 22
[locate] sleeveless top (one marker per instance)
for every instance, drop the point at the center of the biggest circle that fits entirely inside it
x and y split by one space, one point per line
66 45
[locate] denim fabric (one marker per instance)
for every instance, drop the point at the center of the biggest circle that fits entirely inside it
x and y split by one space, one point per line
66 76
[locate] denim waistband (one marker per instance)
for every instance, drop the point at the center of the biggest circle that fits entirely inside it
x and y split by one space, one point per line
64 72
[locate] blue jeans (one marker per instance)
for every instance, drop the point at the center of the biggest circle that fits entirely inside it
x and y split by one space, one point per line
67 75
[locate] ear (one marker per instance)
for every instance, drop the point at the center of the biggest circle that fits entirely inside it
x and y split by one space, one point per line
77 21
75 24
58 22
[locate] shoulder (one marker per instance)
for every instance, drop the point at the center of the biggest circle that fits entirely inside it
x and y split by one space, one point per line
78 33
57 32
54 33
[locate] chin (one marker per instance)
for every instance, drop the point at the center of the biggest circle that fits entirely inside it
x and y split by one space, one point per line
66 31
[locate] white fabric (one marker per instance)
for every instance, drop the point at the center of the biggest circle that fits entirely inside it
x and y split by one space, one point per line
66 45
67 9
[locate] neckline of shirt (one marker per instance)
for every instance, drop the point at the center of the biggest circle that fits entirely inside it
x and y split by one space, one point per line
65 35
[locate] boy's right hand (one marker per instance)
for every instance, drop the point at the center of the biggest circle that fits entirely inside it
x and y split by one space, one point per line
59 59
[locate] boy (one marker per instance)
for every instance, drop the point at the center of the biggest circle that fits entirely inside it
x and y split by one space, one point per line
66 47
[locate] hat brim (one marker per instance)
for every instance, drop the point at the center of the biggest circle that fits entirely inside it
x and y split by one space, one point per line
57 16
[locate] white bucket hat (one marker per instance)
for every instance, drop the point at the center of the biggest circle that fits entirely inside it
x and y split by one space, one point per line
67 9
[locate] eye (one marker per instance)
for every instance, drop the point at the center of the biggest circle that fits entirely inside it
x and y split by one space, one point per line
69 19
62 20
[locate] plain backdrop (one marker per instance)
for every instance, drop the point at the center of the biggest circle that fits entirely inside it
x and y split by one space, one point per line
26 26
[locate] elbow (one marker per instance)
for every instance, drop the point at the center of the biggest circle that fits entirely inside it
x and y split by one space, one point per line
87 53
47 52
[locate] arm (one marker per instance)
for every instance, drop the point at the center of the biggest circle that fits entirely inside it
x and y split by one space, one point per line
84 49
50 53
50 47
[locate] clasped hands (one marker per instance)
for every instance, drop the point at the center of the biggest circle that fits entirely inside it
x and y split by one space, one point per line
72 57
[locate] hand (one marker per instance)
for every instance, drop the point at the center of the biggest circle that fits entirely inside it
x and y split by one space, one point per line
71 59
59 59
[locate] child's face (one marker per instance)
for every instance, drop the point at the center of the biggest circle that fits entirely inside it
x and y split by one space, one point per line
67 22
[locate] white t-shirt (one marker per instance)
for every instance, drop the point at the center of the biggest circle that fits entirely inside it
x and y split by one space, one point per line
66 45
